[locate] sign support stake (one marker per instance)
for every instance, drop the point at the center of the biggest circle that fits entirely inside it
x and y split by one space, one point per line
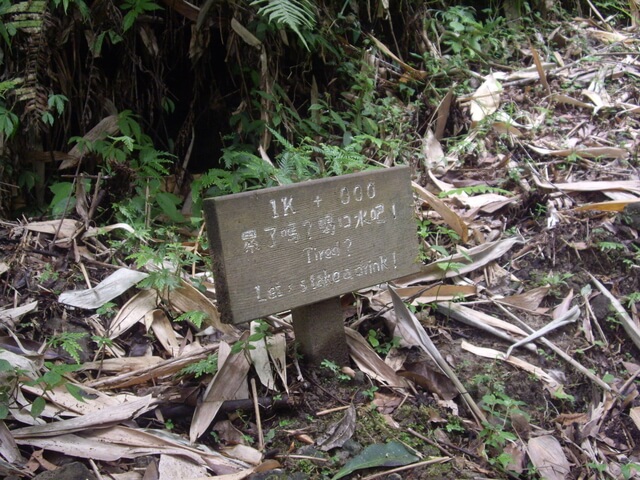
319 331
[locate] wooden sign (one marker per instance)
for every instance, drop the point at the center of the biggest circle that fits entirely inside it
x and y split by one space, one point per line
285 247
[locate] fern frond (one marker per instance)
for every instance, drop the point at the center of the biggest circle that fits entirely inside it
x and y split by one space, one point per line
294 14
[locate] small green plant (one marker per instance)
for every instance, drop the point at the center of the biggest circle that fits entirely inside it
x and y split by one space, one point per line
56 104
52 378
632 299
628 470
560 394
133 158
68 341
370 392
165 262
610 246
464 34
260 334
195 317
8 386
48 274
379 345
107 310
598 467
297 15
134 9
102 342
454 425
555 281
335 369
208 366
500 407
168 424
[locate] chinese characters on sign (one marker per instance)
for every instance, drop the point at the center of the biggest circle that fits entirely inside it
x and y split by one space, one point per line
276 249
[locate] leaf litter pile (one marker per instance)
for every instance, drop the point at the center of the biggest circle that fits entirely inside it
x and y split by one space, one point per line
514 353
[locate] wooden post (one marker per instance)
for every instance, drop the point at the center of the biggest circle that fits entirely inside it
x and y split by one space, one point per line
319 330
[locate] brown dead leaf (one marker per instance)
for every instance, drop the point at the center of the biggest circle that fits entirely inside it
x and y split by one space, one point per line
171 467
546 454
230 378
479 256
133 312
65 228
634 413
338 433
551 383
429 379
115 443
449 216
587 152
187 298
370 362
529 300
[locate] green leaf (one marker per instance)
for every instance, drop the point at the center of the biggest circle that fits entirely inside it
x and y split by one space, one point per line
5 365
75 391
168 204
61 193
37 407
294 14
4 411
392 454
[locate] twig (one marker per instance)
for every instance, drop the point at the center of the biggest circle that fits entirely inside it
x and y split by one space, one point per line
570 317
94 467
409 467
566 357
440 447
256 408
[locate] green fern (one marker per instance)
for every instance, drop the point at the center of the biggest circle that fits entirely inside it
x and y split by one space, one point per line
208 366
69 343
473 189
294 14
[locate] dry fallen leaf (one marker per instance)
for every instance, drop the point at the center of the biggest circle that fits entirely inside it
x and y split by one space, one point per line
546 454
486 99
111 287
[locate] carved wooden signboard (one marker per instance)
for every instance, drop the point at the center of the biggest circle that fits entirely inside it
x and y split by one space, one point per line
285 247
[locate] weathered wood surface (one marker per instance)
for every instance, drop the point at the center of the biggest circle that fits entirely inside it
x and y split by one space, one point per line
284 247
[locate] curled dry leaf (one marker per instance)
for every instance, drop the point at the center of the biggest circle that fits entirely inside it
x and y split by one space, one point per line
338 433
9 317
429 379
370 362
260 359
448 215
115 443
187 298
588 152
111 287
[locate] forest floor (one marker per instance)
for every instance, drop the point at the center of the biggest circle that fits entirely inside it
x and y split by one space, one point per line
542 196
